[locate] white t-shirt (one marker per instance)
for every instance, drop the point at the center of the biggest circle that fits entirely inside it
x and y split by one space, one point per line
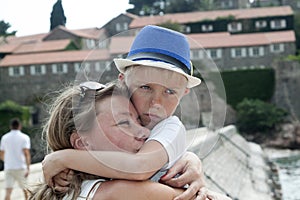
88 190
171 133
13 143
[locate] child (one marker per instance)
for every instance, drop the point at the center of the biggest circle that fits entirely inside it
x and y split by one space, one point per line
158 74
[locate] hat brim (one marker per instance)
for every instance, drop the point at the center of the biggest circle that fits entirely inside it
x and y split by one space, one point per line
121 65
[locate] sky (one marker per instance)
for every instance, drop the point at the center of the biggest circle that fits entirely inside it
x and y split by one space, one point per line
29 17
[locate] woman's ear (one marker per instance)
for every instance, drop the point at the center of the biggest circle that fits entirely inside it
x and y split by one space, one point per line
77 141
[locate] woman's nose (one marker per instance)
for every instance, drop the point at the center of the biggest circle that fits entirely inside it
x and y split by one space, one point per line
142 133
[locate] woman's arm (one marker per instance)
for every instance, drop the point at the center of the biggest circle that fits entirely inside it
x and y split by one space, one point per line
141 190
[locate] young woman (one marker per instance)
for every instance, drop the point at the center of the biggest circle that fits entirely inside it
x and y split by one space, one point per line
82 118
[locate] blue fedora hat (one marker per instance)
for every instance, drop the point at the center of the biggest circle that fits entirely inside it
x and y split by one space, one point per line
155 46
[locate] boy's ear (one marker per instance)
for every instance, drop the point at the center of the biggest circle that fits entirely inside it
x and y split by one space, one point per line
78 142
121 77
187 90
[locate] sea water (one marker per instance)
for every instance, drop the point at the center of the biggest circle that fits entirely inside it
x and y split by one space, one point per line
289 172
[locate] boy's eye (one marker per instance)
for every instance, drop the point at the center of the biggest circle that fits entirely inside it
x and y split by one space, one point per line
170 91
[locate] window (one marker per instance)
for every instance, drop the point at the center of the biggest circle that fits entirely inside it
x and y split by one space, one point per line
227 4
122 26
238 52
125 26
118 27
77 67
86 67
278 24
277 48
256 51
37 69
16 71
234 27
90 43
207 27
196 54
260 24
102 66
59 68
187 29
298 4
214 53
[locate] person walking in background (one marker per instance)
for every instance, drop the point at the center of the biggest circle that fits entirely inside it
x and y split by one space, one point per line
15 152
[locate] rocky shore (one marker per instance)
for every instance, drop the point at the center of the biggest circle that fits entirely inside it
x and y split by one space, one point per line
285 136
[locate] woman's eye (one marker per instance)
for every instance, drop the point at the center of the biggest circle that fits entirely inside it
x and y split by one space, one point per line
124 122
145 87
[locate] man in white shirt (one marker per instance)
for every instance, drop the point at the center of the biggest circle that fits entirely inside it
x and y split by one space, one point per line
15 152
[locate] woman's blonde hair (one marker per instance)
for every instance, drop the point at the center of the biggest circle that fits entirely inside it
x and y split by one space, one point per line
69 113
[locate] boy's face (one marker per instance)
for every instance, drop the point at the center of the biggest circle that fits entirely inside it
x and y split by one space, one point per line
155 92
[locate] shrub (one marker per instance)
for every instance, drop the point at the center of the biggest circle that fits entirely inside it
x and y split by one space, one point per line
254 115
9 110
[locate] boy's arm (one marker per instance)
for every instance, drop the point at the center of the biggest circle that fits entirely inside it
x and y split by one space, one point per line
140 166
118 165
191 172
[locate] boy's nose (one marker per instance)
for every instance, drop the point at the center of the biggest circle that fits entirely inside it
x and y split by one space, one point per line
156 100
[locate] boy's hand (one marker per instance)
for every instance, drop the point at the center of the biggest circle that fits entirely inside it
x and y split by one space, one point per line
190 168
217 196
51 167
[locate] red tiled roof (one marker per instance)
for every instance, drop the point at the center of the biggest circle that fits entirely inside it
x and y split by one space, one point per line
120 45
190 17
53 57
26 39
54 45
91 33
224 39
8 48
133 16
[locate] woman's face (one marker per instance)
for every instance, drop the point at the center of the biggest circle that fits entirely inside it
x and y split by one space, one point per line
118 127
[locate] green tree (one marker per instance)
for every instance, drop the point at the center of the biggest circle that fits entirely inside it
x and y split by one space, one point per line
143 7
172 26
57 16
254 115
176 6
9 110
4 26
297 29
155 7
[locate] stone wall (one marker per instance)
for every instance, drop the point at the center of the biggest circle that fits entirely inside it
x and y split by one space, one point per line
287 88
232 165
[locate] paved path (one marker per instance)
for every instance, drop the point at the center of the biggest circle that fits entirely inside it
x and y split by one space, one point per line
231 164
17 194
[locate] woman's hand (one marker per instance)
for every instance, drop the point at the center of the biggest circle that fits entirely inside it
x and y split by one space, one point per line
190 169
62 180
52 166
